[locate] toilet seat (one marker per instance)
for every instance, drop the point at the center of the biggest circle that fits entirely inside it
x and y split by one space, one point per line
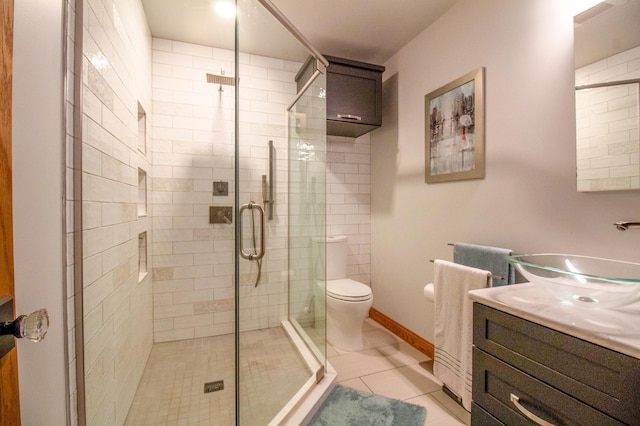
348 290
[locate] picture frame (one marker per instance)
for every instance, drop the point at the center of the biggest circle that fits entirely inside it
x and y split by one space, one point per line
454 130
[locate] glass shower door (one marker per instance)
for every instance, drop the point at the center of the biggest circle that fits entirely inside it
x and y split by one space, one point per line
279 160
307 218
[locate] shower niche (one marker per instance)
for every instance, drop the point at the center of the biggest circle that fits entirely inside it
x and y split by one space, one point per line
142 129
142 193
142 256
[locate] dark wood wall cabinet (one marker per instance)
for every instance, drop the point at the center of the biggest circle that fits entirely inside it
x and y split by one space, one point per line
525 373
354 95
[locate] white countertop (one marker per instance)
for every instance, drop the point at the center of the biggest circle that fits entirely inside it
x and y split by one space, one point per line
617 329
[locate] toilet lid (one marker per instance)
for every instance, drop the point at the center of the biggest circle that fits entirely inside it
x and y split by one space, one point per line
348 289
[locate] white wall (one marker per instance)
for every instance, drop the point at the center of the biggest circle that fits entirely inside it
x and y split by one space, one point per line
528 200
38 176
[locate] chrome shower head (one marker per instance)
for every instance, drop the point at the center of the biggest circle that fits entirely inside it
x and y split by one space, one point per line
221 79
227 80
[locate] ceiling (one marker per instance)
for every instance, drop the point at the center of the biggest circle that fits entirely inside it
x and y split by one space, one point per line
363 30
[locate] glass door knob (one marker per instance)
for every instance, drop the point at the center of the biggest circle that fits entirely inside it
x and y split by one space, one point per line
33 326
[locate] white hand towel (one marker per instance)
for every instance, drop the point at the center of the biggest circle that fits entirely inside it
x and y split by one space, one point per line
454 324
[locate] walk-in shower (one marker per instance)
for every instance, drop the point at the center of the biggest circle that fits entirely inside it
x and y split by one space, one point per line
174 328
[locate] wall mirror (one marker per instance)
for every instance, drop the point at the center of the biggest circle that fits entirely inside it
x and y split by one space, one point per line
607 59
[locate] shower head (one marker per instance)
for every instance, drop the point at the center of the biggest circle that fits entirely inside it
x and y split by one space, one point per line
221 79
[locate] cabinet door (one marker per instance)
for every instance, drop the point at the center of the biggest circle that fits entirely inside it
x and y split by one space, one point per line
352 96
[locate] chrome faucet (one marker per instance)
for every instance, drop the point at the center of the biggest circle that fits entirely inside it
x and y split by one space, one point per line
623 225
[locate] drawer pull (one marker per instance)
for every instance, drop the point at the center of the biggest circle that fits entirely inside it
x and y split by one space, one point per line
350 117
527 413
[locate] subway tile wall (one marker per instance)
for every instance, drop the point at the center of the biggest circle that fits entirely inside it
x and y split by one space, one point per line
190 124
607 125
193 149
193 132
349 200
116 77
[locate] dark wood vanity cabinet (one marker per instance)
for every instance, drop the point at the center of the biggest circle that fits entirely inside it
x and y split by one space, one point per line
354 95
521 367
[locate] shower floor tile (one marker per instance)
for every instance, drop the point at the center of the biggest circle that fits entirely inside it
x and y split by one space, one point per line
171 391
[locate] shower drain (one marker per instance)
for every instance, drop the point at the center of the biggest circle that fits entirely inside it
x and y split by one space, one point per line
218 385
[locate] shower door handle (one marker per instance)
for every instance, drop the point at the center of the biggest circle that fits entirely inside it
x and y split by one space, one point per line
244 254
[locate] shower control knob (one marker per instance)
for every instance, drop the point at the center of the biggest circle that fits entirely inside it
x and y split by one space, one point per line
33 326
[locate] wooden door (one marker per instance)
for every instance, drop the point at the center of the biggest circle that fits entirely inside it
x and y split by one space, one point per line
9 397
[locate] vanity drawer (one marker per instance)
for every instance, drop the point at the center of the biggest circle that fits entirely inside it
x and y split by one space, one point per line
494 383
605 379
479 417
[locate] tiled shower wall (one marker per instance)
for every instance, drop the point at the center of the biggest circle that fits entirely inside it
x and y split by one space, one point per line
193 150
193 147
193 130
116 87
349 200
607 128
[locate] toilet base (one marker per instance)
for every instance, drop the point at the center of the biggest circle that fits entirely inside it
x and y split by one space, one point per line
344 323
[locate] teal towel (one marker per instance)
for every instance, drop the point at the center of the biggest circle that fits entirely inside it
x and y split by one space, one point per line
492 259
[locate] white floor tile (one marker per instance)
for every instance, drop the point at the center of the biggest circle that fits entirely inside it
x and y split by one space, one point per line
407 375
452 406
437 415
357 383
356 364
401 383
376 338
402 353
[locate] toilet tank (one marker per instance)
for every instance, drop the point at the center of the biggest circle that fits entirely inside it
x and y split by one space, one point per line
330 255
337 254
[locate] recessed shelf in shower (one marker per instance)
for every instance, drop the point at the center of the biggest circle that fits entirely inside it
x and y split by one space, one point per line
142 129
142 256
142 193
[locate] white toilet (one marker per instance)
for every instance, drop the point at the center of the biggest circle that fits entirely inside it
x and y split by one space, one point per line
348 301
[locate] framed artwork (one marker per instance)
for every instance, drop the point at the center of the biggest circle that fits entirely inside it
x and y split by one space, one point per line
454 130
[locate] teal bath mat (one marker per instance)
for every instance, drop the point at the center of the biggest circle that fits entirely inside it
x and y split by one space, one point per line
350 407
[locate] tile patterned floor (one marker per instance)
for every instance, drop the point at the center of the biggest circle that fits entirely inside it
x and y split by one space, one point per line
391 367
171 390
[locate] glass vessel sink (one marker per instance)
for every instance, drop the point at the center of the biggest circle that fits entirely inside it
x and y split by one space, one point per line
582 280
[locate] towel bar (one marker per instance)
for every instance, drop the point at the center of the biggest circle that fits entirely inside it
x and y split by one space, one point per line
492 276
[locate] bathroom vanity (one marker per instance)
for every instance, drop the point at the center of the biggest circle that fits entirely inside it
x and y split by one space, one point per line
537 360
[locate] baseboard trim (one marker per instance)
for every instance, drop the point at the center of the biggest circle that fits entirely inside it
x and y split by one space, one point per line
402 332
